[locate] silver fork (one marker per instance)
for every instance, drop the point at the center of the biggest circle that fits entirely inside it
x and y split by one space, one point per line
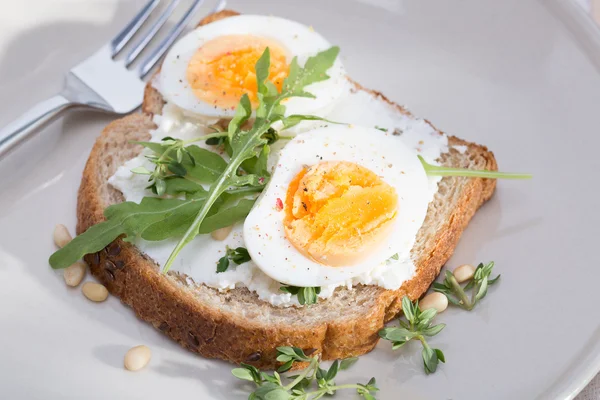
101 82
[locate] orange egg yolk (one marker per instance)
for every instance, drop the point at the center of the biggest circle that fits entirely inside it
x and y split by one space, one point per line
337 212
222 70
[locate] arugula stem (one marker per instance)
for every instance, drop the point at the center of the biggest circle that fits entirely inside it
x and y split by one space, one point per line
436 170
215 191
473 173
244 144
313 363
247 189
464 300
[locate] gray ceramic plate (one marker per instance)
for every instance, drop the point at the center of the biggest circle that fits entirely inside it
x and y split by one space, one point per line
522 77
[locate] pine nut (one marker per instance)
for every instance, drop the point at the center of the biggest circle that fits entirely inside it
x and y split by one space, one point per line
137 358
61 235
74 274
94 291
463 273
221 234
435 300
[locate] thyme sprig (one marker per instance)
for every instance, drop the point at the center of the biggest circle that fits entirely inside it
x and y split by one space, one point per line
417 327
478 284
312 383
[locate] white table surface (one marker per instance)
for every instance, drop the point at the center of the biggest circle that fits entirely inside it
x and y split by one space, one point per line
21 17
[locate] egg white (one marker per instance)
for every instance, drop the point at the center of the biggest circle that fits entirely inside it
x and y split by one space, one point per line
299 40
378 151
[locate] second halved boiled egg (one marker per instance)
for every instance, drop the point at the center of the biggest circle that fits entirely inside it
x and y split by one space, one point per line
208 70
342 200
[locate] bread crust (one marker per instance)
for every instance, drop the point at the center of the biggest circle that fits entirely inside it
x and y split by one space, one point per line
208 322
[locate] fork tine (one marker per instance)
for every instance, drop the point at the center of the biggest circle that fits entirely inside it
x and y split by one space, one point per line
153 58
143 42
132 27
219 7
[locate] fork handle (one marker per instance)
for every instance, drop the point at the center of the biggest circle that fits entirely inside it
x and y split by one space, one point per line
31 121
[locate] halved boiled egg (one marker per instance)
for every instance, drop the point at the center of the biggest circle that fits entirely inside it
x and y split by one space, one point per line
342 200
207 71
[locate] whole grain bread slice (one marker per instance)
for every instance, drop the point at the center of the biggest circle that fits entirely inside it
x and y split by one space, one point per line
235 325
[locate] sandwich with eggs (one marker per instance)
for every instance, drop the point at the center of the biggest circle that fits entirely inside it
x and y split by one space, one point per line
346 209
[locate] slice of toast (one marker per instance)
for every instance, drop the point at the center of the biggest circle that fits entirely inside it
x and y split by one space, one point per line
235 325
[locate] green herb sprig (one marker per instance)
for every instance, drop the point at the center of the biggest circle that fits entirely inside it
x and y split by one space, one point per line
418 327
238 255
306 295
437 170
246 144
479 284
302 386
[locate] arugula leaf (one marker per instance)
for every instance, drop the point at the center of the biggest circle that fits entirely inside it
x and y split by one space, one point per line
315 70
244 144
435 170
181 168
227 216
153 219
127 218
262 71
258 165
173 224
243 111
211 166
176 186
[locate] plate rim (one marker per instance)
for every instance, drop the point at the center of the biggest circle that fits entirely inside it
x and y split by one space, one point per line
587 35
